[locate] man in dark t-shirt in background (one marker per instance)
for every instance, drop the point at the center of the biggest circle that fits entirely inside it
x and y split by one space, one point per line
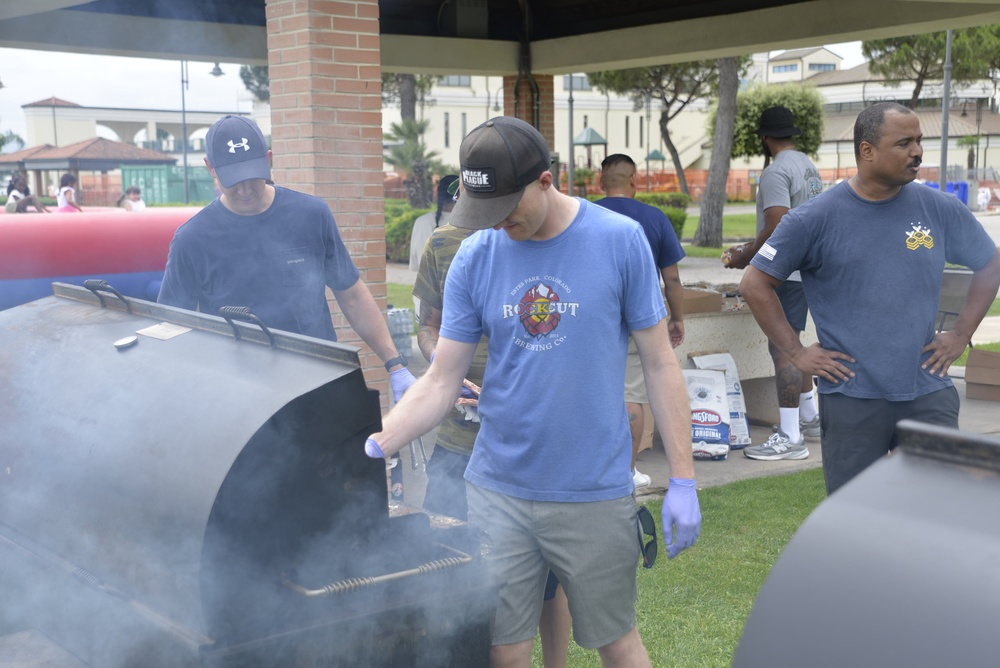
618 181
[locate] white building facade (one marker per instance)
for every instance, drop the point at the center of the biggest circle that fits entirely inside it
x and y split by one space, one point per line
458 103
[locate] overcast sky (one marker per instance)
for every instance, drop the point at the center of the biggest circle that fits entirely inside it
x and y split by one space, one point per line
145 83
112 81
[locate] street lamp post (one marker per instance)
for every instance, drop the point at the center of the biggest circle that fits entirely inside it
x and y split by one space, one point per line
945 112
649 136
184 141
215 72
571 187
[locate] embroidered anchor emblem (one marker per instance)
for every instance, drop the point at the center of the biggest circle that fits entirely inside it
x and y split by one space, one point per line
243 144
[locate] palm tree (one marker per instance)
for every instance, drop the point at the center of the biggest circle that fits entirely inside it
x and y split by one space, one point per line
11 137
409 154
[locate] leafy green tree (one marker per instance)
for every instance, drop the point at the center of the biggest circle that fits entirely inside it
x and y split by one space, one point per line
989 47
805 103
582 176
409 91
673 87
256 79
970 142
409 154
709 232
920 58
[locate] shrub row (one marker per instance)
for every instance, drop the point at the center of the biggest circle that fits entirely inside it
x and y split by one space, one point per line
399 219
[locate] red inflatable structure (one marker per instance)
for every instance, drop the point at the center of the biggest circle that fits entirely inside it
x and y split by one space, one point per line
128 250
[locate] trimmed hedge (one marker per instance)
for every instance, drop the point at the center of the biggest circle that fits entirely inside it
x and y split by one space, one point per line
399 219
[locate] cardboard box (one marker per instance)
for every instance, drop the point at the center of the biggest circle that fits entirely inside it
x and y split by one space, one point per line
982 392
699 300
982 375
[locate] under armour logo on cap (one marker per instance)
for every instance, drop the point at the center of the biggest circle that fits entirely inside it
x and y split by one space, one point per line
222 150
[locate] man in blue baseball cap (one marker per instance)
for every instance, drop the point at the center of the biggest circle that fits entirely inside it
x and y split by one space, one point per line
272 249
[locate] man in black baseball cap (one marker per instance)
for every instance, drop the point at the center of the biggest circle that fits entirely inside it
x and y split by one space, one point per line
499 159
791 179
566 281
777 122
272 249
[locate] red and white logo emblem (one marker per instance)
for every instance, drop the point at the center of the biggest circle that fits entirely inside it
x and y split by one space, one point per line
539 314
705 418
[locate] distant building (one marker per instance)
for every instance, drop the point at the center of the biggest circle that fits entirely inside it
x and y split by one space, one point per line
61 138
801 64
61 123
458 103
96 162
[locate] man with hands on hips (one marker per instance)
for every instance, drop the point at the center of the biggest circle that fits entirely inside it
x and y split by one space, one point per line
871 251
557 286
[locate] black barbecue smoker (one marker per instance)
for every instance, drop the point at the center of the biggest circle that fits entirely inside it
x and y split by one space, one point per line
180 489
898 568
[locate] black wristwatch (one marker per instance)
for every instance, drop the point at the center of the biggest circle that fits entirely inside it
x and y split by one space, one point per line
398 359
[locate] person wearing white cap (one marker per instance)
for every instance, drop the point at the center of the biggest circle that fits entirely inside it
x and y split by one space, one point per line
557 286
272 249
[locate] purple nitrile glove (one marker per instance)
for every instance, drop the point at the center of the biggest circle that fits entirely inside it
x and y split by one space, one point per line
681 510
373 449
466 393
400 379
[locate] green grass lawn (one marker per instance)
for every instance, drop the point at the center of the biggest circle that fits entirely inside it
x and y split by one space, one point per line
399 296
990 347
692 609
734 226
741 226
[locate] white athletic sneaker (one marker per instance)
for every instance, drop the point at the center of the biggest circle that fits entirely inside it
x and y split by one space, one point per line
778 446
809 429
640 479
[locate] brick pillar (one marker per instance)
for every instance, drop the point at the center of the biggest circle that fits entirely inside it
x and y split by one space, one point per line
326 131
524 96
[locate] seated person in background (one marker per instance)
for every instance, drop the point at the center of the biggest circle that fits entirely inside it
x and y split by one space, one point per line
19 197
66 197
132 199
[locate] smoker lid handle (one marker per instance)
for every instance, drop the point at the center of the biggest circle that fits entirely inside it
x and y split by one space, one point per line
95 284
231 313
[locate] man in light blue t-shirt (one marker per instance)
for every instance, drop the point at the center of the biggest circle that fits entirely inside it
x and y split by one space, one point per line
557 285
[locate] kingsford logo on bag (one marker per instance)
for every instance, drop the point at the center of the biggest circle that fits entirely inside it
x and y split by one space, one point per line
709 413
709 418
